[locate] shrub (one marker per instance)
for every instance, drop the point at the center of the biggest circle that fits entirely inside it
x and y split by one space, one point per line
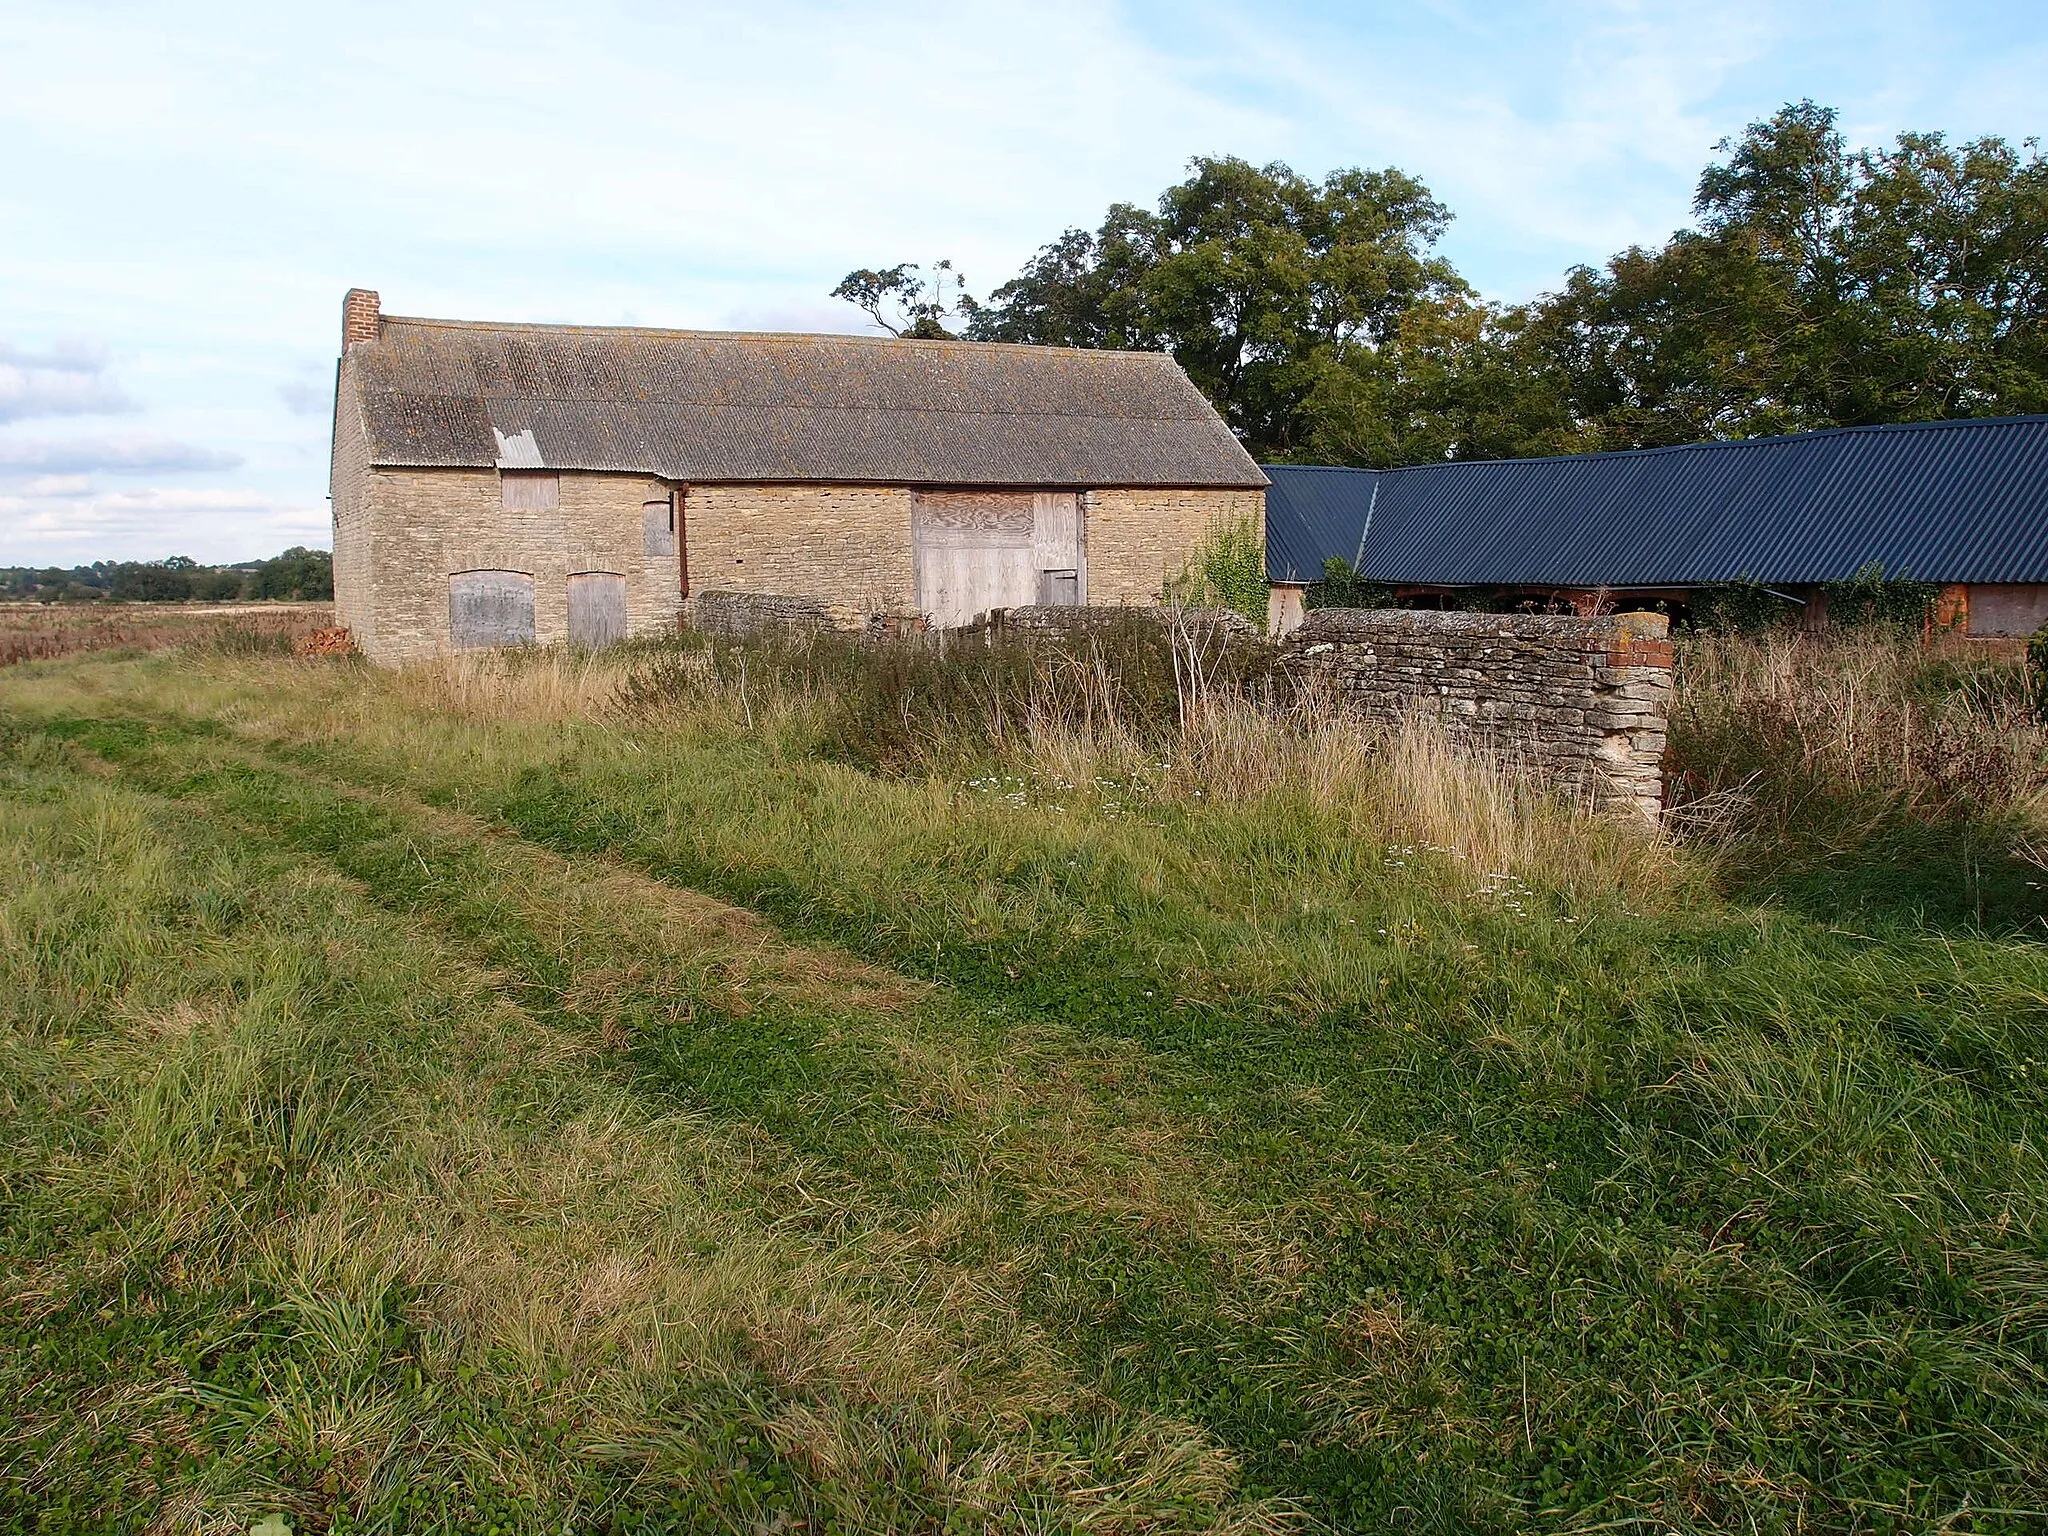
1342 587
1740 607
1227 570
1872 598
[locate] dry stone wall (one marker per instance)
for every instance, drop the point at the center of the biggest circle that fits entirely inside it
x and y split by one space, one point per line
1582 699
755 613
1064 621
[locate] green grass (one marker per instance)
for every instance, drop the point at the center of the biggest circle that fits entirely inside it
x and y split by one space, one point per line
440 1111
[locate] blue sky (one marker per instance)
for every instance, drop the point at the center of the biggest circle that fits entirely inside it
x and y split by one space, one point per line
188 190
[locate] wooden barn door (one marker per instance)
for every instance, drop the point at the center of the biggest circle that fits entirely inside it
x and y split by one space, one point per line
977 550
1056 550
597 608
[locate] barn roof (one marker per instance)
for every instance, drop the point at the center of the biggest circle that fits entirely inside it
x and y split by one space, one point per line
1950 501
731 406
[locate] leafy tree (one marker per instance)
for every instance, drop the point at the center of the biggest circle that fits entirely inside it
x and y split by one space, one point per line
297 575
1821 287
904 302
1817 286
151 581
1260 282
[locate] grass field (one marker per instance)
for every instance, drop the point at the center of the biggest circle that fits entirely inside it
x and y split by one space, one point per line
560 1095
42 631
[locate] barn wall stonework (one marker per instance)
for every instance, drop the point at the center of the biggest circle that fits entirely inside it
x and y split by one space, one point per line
354 531
1583 700
1138 540
401 533
846 546
429 523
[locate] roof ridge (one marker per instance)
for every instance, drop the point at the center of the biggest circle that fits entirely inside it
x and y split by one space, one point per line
1339 469
1947 422
701 333
810 406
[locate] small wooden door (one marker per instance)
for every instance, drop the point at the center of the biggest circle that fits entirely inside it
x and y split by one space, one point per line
597 608
1056 548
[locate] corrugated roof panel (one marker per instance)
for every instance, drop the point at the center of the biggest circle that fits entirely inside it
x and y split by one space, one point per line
1321 513
1963 501
700 405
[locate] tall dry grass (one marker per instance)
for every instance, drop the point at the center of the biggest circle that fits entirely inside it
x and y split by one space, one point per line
1175 714
551 686
1833 736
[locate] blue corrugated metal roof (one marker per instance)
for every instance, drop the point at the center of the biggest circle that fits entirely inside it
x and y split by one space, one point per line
1313 513
1963 501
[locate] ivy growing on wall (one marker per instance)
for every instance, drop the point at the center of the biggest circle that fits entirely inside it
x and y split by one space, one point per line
1871 597
1226 570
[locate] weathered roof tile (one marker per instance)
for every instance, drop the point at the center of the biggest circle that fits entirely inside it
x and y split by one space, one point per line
728 406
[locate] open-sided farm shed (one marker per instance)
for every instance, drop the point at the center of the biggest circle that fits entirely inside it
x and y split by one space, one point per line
498 484
1960 503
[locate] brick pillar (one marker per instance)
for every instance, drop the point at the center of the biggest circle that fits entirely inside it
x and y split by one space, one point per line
362 317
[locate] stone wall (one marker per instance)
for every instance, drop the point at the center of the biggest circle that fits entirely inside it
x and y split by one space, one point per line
425 524
1079 621
348 487
1138 540
1584 700
755 613
848 546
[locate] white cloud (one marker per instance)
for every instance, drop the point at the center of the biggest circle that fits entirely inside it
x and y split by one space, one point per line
64 523
69 379
200 183
59 485
125 454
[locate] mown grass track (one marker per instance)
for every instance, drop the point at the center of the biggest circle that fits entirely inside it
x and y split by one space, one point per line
1721 1217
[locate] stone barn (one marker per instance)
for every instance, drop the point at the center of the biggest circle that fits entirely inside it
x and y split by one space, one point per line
507 484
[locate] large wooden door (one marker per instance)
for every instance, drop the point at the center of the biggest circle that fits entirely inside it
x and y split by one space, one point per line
977 550
487 608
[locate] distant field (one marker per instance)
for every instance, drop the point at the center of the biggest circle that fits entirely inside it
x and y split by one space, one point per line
37 631
726 1089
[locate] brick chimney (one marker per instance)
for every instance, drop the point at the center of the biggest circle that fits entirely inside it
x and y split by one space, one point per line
361 317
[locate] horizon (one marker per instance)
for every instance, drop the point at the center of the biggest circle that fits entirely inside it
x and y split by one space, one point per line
195 196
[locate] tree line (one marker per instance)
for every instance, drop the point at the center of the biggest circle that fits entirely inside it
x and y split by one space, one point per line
1817 286
297 575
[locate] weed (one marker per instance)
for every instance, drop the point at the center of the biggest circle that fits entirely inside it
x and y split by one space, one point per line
1799 752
